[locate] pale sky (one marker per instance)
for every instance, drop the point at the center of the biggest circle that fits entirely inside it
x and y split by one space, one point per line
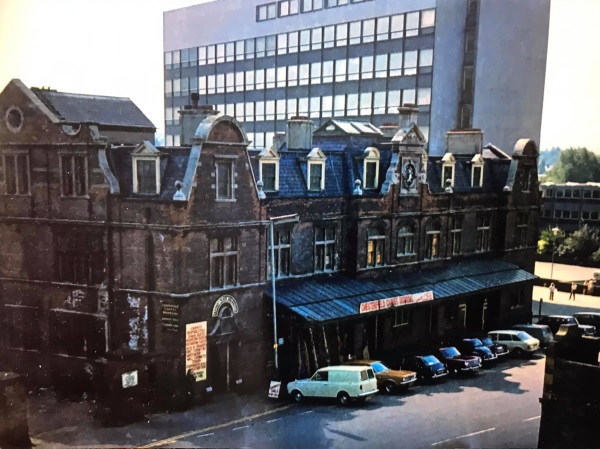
114 47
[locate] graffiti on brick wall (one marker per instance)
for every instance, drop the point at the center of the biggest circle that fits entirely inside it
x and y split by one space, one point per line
75 299
138 323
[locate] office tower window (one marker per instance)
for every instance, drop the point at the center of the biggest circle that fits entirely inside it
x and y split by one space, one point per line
383 28
249 45
266 12
201 55
395 64
355 32
412 24
280 107
260 79
315 73
340 70
229 51
304 77
327 106
270 110
230 82
239 50
220 52
177 87
324 249
168 59
315 107
424 96
381 66
176 58
379 103
292 75
220 83
397 26
353 69
271 45
293 42
408 96
366 104
270 78
304 40
426 58
239 81
282 44
249 82
339 103
249 111
185 87
288 8
427 18
327 71
341 35
303 106
292 107
393 101
317 38
329 36
352 105
410 62
311 5
366 67
239 111
368 30
168 88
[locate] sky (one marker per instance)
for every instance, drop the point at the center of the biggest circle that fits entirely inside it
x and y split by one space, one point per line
114 47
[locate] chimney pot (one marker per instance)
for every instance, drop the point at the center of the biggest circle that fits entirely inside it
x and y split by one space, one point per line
195 97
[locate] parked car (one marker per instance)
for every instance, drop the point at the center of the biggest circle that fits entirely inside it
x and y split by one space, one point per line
388 380
518 342
555 321
458 363
540 331
427 367
474 346
589 318
341 382
497 348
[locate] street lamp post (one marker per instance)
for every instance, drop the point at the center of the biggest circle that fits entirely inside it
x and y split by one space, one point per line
272 221
555 233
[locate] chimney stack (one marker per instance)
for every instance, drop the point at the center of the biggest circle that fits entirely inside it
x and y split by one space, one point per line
409 114
278 140
191 116
299 133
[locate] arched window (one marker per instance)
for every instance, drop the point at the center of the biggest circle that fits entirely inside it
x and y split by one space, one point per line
371 168
433 242
376 247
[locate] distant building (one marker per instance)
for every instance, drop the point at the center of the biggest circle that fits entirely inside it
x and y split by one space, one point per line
463 62
570 205
130 257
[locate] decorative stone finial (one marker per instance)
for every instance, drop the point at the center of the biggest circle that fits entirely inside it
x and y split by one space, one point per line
179 195
357 190
448 188
260 185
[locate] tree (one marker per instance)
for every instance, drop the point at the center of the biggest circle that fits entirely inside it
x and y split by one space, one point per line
548 241
575 165
581 244
547 159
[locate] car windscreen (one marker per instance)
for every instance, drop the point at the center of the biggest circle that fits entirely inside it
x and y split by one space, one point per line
477 342
430 360
449 352
487 341
379 367
524 336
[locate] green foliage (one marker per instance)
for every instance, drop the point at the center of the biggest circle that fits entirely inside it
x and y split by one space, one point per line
581 244
548 241
575 165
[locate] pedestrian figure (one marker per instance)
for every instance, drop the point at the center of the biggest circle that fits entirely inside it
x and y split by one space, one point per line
573 291
190 390
590 287
552 289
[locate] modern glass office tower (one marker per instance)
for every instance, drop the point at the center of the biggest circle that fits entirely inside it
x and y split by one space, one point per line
465 63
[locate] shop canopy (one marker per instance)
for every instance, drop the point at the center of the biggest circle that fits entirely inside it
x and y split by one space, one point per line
334 297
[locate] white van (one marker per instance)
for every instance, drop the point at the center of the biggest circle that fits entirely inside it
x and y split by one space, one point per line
341 382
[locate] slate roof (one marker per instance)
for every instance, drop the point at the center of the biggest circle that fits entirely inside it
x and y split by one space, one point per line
336 296
173 167
101 110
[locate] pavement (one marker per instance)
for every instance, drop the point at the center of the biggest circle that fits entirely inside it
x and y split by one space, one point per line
58 424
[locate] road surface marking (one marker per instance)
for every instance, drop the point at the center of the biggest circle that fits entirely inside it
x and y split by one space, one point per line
532 418
304 413
175 438
206 435
241 427
273 420
464 436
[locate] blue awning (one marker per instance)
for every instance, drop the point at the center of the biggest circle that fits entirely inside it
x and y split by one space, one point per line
333 297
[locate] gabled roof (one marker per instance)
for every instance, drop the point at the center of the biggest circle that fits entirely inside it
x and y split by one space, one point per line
101 110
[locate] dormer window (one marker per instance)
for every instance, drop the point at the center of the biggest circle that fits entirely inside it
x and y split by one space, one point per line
448 163
477 171
371 168
269 170
146 169
316 170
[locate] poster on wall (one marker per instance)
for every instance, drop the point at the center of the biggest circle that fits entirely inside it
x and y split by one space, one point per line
195 349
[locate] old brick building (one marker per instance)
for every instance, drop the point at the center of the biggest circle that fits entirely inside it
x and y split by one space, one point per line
116 249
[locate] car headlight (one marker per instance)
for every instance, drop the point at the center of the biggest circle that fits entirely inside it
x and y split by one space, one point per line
466 363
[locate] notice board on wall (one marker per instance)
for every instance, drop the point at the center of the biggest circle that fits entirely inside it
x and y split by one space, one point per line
195 349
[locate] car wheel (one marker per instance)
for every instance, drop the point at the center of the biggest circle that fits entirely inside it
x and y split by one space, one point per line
518 352
297 396
389 387
343 398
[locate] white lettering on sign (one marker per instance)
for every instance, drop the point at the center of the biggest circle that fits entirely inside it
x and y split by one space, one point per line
129 379
225 299
396 301
274 389
195 349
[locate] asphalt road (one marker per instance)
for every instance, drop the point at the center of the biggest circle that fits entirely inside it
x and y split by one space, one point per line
498 407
